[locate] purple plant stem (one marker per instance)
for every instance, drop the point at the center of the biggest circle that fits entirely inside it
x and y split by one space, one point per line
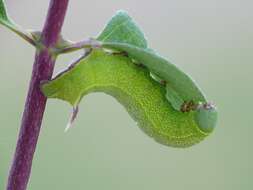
36 102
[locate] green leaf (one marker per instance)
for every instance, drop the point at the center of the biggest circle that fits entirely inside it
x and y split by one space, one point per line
4 19
179 81
174 98
165 101
122 34
3 14
180 88
121 28
132 86
156 78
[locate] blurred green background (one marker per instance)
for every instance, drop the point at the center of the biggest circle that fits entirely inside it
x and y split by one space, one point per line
212 40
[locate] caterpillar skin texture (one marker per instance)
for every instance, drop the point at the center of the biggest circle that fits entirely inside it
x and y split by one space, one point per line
143 98
180 88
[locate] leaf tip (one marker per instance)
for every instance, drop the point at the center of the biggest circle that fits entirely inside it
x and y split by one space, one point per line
4 18
122 12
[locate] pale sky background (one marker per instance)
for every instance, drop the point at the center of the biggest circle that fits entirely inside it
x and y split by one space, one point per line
212 40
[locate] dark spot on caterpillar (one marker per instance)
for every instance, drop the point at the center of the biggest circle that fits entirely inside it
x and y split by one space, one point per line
139 65
123 53
163 82
188 106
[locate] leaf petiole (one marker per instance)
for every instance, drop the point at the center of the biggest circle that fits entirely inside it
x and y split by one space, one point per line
74 46
6 21
24 34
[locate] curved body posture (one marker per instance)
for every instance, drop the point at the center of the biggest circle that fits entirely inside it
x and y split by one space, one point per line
132 86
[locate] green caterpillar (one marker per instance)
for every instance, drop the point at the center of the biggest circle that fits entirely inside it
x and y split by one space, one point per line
183 94
122 34
165 101
132 86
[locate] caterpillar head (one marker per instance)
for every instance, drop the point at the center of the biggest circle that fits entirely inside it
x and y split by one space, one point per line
206 117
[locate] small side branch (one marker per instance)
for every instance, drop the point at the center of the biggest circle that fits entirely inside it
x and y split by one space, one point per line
74 46
6 21
26 35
